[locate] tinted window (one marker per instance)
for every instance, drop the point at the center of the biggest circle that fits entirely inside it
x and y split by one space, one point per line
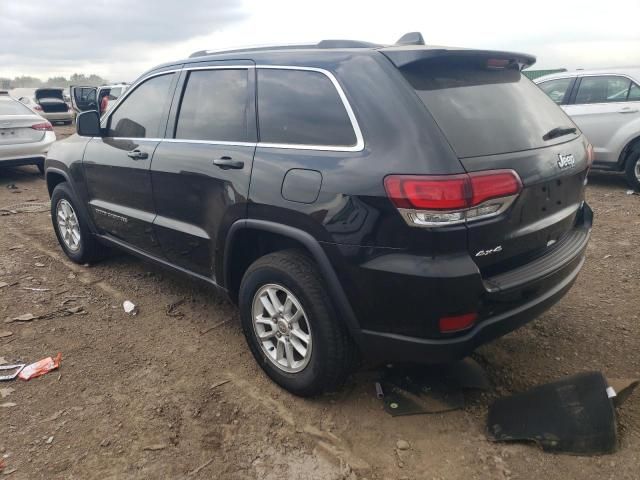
215 106
556 89
634 93
603 89
141 114
301 108
485 111
11 107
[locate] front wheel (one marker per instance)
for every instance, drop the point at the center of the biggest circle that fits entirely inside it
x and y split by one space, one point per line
291 326
632 170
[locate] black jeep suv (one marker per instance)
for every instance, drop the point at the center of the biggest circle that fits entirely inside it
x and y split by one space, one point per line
397 203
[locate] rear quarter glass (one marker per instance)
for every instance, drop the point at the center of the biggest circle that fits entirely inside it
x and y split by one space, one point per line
483 110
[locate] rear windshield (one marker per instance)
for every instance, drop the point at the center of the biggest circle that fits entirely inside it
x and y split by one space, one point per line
485 111
12 107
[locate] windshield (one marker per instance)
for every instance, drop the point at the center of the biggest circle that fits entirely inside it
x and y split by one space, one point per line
11 107
483 110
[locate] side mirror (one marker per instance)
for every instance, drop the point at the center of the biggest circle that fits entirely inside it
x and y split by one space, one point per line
88 124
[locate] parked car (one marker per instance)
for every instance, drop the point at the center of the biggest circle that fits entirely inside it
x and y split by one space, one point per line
605 104
47 102
399 203
25 136
96 98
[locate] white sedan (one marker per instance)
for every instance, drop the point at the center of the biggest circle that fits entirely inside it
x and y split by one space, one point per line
25 137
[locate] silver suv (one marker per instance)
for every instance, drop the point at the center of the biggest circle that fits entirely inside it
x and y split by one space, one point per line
605 104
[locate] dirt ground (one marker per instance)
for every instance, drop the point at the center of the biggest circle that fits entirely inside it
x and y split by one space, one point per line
141 397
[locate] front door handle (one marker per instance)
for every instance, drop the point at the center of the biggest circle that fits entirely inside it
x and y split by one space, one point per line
137 155
226 163
628 110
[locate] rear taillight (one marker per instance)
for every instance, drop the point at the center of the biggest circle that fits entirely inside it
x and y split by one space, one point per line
44 126
590 155
439 200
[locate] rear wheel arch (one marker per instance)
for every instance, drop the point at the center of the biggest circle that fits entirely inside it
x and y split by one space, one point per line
632 146
249 240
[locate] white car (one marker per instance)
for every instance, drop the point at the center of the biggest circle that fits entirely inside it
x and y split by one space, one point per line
25 137
48 102
605 104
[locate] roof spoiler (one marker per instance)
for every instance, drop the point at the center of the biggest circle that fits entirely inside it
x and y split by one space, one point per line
403 57
411 38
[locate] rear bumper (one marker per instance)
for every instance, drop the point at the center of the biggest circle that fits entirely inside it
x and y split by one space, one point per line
26 153
389 347
58 116
414 292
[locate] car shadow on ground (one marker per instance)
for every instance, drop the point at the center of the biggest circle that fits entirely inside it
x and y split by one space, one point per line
608 179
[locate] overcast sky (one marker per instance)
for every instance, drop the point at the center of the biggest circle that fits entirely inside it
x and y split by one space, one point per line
120 39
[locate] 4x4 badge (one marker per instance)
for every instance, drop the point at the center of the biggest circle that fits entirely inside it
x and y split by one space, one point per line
484 253
566 161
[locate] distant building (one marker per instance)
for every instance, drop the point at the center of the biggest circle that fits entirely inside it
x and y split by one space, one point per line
533 74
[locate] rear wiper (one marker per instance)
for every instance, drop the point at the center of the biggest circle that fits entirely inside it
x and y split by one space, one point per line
558 132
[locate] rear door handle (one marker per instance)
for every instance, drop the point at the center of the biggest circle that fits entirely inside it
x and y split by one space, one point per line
226 163
137 155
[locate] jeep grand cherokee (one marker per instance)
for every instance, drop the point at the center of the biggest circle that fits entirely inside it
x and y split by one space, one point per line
399 203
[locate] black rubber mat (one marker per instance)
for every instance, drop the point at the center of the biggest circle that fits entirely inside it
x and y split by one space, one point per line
573 415
412 390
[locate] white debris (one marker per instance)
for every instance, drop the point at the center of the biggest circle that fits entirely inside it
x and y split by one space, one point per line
130 307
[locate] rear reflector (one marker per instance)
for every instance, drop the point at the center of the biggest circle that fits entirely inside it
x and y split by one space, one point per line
457 323
45 126
449 199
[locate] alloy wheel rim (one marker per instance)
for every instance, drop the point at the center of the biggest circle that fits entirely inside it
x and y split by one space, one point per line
636 170
282 328
68 225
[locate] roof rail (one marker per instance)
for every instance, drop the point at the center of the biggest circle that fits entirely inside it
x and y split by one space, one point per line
411 38
347 44
321 44
281 46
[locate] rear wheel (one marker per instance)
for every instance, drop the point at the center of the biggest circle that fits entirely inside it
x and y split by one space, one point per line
71 228
291 326
632 169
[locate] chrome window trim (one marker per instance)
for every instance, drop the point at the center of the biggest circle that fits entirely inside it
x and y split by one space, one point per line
358 147
210 142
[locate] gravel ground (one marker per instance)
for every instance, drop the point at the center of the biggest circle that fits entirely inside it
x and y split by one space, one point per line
143 396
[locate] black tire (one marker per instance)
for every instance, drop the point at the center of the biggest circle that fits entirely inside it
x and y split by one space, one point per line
332 353
631 166
89 249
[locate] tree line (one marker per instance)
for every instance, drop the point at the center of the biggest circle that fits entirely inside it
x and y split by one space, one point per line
26 81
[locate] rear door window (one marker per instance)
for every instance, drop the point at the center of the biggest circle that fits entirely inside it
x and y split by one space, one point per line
484 110
299 107
142 113
215 106
634 93
602 89
557 89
